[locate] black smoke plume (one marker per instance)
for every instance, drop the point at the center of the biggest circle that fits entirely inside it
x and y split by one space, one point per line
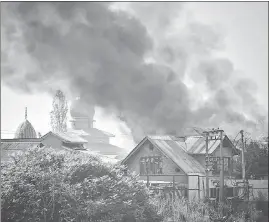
87 49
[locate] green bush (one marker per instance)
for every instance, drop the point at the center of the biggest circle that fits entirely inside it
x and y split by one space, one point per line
44 185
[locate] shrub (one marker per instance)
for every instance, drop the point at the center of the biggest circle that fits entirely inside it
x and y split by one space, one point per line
44 185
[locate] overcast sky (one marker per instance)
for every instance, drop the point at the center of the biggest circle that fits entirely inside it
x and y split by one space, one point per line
244 26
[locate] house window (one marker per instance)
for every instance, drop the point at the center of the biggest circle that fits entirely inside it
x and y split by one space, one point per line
151 165
217 165
213 192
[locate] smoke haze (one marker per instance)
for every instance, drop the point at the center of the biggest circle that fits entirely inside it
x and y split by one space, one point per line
133 62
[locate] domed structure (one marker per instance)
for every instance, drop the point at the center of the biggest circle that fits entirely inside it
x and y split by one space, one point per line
82 115
80 110
25 130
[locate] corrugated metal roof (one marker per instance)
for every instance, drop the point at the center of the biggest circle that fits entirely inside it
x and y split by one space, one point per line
196 145
71 137
176 152
166 137
67 137
191 144
18 145
21 140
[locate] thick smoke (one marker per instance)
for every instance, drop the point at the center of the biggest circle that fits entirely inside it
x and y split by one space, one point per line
100 54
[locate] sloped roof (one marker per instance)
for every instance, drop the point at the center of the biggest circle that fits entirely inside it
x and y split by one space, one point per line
105 148
166 137
197 145
104 158
21 140
18 145
74 146
175 151
193 144
91 132
67 137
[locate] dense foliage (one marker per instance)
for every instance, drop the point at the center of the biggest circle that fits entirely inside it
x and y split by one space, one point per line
256 160
43 185
58 115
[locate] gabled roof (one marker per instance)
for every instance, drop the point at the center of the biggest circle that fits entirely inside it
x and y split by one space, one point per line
195 144
172 149
67 137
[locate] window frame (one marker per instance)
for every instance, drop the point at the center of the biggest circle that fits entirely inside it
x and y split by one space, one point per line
227 161
151 165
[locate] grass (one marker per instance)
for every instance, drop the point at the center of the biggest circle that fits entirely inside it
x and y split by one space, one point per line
183 210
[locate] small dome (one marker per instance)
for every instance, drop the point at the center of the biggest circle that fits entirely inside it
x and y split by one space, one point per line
25 129
78 109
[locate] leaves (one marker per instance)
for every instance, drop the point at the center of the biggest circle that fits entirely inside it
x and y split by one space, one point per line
59 113
256 157
45 185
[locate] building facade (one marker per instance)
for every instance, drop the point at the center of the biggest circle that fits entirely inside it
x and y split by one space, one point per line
162 159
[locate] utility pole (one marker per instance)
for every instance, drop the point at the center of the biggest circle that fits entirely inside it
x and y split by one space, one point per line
221 196
209 133
207 169
245 182
243 156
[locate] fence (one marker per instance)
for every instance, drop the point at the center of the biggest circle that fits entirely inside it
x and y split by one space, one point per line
172 186
193 186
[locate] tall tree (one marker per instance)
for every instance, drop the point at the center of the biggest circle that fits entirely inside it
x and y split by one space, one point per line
256 159
58 115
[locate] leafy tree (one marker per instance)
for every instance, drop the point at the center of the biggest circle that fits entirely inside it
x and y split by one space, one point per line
58 115
44 185
256 159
